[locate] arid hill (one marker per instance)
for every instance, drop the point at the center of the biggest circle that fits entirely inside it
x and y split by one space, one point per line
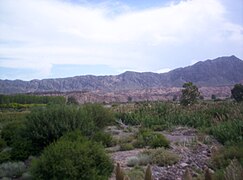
223 71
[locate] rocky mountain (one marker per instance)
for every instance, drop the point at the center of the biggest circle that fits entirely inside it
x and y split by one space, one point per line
223 71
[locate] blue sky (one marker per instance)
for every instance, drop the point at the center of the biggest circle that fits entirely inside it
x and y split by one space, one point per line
62 38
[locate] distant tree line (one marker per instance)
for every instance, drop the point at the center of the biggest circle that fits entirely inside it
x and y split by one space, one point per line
31 99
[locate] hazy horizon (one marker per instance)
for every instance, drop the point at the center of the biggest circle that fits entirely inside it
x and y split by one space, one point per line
42 39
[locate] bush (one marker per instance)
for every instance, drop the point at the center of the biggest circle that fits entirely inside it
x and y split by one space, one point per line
222 158
73 157
163 157
146 137
139 160
228 132
22 148
126 147
46 125
159 156
104 138
4 156
136 173
12 169
159 140
11 131
99 115
3 144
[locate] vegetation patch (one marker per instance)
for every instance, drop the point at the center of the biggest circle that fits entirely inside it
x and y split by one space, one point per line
73 157
159 156
146 137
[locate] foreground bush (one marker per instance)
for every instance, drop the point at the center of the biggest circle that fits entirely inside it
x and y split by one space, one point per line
73 157
46 125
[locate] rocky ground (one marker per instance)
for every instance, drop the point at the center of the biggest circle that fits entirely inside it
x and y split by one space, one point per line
193 148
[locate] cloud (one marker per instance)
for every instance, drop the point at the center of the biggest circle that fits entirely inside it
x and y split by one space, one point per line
37 34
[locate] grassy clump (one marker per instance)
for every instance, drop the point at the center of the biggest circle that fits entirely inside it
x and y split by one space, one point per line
159 156
136 173
222 158
146 137
126 147
234 171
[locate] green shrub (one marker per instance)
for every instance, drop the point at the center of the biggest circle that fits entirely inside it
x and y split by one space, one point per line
228 132
146 137
73 157
22 148
222 158
11 131
140 160
163 157
12 169
136 173
126 147
159 140
3 144
99 115
46 125
159 156
4 156
104 138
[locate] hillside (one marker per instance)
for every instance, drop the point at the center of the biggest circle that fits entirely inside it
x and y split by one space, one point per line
223 71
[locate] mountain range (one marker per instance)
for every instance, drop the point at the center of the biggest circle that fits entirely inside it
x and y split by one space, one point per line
222 71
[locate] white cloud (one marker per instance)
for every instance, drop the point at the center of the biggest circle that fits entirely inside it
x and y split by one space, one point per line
56 32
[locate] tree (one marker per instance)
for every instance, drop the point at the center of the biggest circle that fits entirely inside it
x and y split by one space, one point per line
237 92
190 94
129 98
213 97
72 100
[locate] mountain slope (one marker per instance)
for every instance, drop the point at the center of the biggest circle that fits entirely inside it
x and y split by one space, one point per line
218 72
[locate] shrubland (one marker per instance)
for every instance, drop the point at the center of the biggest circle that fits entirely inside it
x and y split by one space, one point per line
68 139
223 120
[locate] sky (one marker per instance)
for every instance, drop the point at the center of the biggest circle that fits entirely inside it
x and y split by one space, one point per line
62 38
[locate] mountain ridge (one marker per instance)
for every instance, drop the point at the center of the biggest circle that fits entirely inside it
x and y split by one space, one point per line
221 71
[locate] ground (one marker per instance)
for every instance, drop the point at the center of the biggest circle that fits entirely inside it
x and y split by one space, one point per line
193 148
